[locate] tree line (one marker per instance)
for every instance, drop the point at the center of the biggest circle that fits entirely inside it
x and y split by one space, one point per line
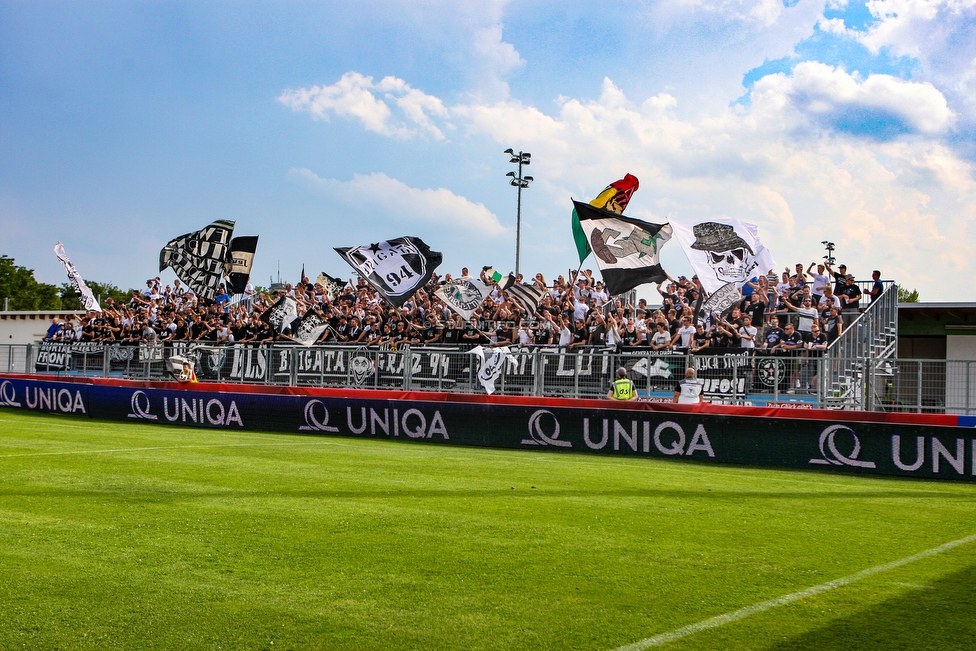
20 290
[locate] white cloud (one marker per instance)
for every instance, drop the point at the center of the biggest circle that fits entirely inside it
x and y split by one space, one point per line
357 96
833 26
822 91
937 33
904 204
390 196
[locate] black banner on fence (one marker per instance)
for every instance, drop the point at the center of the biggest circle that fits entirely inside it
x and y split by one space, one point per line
842 446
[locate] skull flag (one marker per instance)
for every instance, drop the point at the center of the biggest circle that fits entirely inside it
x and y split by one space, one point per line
199 258
628 250
723 252
396 268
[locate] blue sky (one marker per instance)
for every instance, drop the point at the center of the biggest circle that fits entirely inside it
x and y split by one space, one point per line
317 125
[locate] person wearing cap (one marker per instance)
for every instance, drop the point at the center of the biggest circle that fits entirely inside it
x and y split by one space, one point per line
840 277
850 294
690 390
622 388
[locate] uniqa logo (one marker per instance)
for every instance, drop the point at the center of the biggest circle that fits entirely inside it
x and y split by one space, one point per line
140 406
312 422
8 394
538 436
832 456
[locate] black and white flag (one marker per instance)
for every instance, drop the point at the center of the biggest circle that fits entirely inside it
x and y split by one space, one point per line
491 365
528 296
309 328
396 268
239 263
333 286
77 282
280 315
628 250
463 295
724 252
199 258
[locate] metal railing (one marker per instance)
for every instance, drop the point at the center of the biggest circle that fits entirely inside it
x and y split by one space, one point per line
731 376
871 335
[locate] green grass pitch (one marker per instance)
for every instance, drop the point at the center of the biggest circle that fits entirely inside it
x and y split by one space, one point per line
139 536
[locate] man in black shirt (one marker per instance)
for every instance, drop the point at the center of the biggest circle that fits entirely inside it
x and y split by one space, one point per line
850 294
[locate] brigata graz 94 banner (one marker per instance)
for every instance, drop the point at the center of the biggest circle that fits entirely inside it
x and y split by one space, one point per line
588 426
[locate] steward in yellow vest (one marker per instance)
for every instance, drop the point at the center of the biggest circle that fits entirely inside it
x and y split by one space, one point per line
622 388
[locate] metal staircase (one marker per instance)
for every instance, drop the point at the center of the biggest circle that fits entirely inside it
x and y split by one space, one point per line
859 362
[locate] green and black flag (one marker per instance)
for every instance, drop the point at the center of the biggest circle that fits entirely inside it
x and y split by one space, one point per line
627 249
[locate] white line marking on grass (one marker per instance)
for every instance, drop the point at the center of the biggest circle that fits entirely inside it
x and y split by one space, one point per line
161 447
763 606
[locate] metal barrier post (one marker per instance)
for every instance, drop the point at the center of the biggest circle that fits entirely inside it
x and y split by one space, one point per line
407 368
918 400
292 367
106 361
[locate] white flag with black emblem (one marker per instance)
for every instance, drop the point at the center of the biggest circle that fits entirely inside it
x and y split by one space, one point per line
77 282
463 295
396 268
491 365
199 259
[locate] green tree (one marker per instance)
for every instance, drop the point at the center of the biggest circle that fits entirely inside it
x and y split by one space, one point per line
25 293
101 291
907 296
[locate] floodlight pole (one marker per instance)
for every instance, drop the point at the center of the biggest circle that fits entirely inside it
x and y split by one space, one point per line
520 182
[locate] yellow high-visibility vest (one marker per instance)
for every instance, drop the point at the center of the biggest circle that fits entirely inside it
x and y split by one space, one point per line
623 389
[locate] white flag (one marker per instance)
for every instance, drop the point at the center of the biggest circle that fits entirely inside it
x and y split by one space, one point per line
723 252
81 289
463 295
491 365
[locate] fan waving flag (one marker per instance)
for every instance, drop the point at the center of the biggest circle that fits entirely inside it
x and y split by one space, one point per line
332 286
463 295
614 198
199 258
627 249
396 268
309 328
77 282
280 315
528 296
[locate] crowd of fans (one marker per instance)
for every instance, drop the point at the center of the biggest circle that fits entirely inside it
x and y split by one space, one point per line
799 309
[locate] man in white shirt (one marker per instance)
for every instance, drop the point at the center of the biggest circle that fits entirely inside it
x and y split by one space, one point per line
820 281
685 334
747 333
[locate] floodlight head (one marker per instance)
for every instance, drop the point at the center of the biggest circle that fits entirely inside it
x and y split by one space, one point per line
528 178
510 174
508 151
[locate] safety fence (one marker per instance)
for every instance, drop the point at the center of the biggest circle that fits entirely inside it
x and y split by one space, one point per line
730 376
